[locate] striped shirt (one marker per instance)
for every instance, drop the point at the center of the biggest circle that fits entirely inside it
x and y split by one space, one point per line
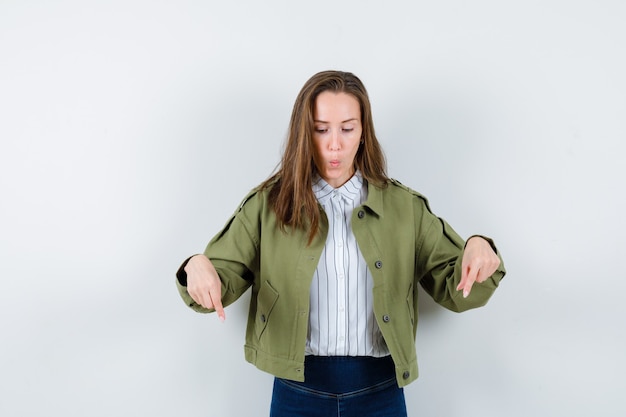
341 320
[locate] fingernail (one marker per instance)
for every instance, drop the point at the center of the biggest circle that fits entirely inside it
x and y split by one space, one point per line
465 293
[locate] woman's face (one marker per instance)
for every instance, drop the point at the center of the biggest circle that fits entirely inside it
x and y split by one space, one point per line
336 136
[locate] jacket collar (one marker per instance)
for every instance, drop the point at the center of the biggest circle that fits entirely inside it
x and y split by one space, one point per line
375 199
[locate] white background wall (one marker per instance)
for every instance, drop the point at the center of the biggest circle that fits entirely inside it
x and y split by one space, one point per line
130 130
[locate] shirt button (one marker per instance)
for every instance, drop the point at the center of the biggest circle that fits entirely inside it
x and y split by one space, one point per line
386 318
406 375
361 214
263 318
378 264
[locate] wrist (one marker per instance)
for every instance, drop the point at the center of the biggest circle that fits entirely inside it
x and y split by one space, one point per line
485 239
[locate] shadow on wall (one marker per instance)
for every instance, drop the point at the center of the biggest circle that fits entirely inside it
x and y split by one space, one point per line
427 307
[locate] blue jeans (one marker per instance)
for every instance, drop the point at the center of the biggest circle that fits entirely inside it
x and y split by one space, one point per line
341 386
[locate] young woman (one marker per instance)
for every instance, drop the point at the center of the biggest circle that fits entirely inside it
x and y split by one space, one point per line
333 251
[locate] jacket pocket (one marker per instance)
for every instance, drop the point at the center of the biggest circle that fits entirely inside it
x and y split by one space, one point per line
266 299
409 303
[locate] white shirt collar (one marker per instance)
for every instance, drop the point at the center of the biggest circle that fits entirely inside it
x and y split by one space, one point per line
349 191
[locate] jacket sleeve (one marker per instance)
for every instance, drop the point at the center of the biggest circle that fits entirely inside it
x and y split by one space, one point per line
439 252
234 254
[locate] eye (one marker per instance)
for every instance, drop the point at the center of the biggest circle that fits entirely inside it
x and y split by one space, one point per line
321 130
348 129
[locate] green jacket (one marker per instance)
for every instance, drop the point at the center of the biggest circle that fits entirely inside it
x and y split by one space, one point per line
403 243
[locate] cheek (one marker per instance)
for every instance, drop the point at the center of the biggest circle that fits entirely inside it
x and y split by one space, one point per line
357 143
317 151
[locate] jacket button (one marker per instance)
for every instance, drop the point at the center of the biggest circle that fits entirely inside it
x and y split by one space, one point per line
406 375
386 318
378 264
263 318
361 214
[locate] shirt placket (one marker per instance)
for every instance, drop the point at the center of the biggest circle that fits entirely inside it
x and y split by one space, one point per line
338 228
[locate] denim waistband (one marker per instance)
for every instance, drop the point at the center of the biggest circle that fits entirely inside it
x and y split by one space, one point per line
343 374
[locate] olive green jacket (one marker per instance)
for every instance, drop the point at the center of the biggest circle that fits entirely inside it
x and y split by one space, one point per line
403 243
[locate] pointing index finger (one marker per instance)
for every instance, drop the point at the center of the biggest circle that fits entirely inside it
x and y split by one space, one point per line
468 278
219 309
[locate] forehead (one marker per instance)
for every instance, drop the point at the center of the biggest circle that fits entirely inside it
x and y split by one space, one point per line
330 105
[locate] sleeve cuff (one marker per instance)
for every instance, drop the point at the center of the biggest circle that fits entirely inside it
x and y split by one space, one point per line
489 240
181 275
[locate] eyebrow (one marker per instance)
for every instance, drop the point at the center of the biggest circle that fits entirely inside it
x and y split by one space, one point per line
345 121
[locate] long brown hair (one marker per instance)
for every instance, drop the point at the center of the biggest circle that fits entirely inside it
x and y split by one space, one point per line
291 192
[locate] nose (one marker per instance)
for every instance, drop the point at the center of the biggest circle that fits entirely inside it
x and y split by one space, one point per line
334 143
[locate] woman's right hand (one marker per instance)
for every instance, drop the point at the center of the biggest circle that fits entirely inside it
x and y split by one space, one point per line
204 285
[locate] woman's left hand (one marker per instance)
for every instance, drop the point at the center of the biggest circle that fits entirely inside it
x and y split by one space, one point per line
479 263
